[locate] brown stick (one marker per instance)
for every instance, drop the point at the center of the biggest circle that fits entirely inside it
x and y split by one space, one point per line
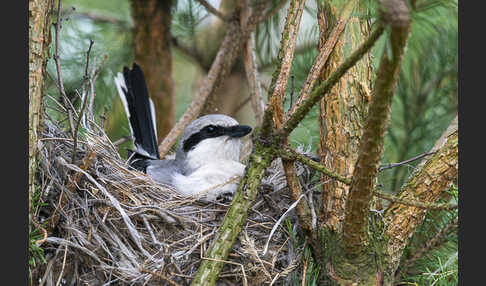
213 10
251 69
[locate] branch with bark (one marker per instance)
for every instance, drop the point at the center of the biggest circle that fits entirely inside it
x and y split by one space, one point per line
274 130
428 182
355 235
230 47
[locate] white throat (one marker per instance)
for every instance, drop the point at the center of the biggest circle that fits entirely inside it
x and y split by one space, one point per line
213 150
213 166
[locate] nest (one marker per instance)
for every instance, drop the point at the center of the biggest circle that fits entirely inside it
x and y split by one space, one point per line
112 225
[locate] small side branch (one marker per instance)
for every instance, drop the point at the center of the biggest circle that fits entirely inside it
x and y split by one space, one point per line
58 70
213 10
85 101
293 155
301 109
393 165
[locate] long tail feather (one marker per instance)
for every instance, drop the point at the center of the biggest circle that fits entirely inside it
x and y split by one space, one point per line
139 109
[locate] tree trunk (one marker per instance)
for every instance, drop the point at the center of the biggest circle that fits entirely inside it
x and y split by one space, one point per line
342 113
152 41
40 20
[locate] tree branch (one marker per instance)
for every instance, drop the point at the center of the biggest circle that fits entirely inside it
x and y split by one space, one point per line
260 159
324 53
305 106
417 204
224 60
213 10
290 154
427 183
58 70
355 227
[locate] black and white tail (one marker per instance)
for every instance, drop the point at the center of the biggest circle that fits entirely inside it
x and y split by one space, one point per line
140 112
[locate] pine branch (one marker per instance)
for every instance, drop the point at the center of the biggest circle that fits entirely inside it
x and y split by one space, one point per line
303 108
371 144
427 183
260 159
324 53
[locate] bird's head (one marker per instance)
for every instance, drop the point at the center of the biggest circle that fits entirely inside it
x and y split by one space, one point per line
210 138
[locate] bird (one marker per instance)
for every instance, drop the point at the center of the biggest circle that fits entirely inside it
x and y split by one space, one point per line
206 163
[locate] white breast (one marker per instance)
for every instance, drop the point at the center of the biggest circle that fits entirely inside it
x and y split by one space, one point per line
210 180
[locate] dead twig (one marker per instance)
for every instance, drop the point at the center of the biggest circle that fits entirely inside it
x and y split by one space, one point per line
65 99
393 165
85 101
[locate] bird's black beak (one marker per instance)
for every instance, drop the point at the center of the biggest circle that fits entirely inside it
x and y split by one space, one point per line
238 131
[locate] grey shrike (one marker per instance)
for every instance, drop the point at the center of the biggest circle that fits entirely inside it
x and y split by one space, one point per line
207 156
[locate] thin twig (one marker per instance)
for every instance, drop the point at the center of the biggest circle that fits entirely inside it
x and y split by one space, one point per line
58 69
63 264
301 109
323 55
213 10
121 140
393 165
83 107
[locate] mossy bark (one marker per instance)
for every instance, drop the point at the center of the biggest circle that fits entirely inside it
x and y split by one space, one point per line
260 159
40 19
152 46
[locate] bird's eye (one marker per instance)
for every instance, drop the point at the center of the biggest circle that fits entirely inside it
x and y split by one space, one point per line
211 129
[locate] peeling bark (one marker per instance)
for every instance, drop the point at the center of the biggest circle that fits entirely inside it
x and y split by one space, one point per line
40 19
342 113
430 179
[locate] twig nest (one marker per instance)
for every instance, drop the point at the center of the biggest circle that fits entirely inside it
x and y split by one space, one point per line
118 226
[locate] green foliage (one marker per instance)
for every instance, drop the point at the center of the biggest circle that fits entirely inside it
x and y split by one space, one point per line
438 265
36 252
426 96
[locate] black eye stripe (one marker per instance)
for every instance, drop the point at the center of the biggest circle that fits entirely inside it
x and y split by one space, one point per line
210 131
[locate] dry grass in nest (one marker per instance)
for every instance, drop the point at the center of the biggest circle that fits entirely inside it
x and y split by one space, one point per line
112 225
